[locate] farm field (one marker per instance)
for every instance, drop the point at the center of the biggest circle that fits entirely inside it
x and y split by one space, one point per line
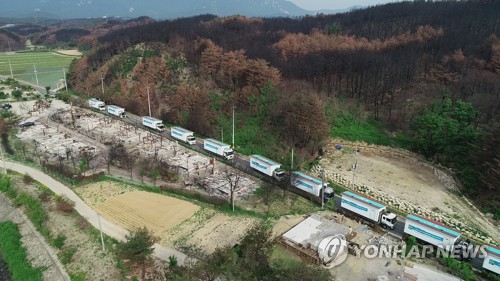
175 222
49 66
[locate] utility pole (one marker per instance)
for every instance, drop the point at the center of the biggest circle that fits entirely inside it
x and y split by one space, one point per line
222 133
11 73
100 230
354 165
36 75
292 161
8 43
233 107
102 83
322 188
149 102
65 81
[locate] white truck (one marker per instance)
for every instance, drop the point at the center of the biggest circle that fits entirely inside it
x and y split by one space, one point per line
492 260
182 135
267 166
431 232
116 111
97 104
153 123
368 209
218 148
311 185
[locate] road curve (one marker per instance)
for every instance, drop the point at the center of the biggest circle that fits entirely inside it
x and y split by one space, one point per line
86 211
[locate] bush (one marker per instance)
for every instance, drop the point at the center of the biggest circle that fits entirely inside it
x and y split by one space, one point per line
34 209
5 183
27 179
15 255
461 269
82 223
64 205
66 255
17 94
3 96
172 261
58 242
44 196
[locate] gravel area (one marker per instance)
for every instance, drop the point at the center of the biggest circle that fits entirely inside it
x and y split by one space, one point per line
39 252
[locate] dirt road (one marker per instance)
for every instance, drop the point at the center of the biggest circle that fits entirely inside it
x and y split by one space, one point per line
85 211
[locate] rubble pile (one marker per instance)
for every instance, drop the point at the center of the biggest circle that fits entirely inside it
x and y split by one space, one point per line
109 130
218 185
55 145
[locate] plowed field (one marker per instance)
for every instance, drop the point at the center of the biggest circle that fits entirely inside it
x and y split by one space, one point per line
138 208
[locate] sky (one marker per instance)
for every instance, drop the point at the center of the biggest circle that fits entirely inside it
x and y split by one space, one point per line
335 4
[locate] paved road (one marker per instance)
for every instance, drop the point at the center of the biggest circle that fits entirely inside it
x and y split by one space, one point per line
85 211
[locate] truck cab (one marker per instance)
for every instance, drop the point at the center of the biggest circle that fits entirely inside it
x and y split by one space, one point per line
279 174
228 154
191 140
388 220
160 127
328 193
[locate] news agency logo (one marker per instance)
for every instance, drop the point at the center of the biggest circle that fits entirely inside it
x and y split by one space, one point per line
331 250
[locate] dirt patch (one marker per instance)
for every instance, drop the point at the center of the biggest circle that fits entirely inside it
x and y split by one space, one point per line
70 52
406 177
208 230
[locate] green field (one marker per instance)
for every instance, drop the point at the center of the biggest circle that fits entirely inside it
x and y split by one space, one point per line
49 66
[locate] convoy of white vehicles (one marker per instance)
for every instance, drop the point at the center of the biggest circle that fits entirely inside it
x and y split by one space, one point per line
153 123
116 111
183 135
97 104
369 209
416 226
267 166
218 148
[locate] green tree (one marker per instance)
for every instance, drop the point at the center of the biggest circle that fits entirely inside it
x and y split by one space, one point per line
17 94
138 247
47 88
83 166
333 28
447 132
154 175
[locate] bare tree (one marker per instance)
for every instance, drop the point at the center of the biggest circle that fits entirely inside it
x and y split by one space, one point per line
144 167
268 194
128 160
233 177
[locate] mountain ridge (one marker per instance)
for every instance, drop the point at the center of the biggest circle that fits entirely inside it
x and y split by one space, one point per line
157 9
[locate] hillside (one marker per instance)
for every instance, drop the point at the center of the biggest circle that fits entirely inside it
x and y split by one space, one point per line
384 75
81 33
